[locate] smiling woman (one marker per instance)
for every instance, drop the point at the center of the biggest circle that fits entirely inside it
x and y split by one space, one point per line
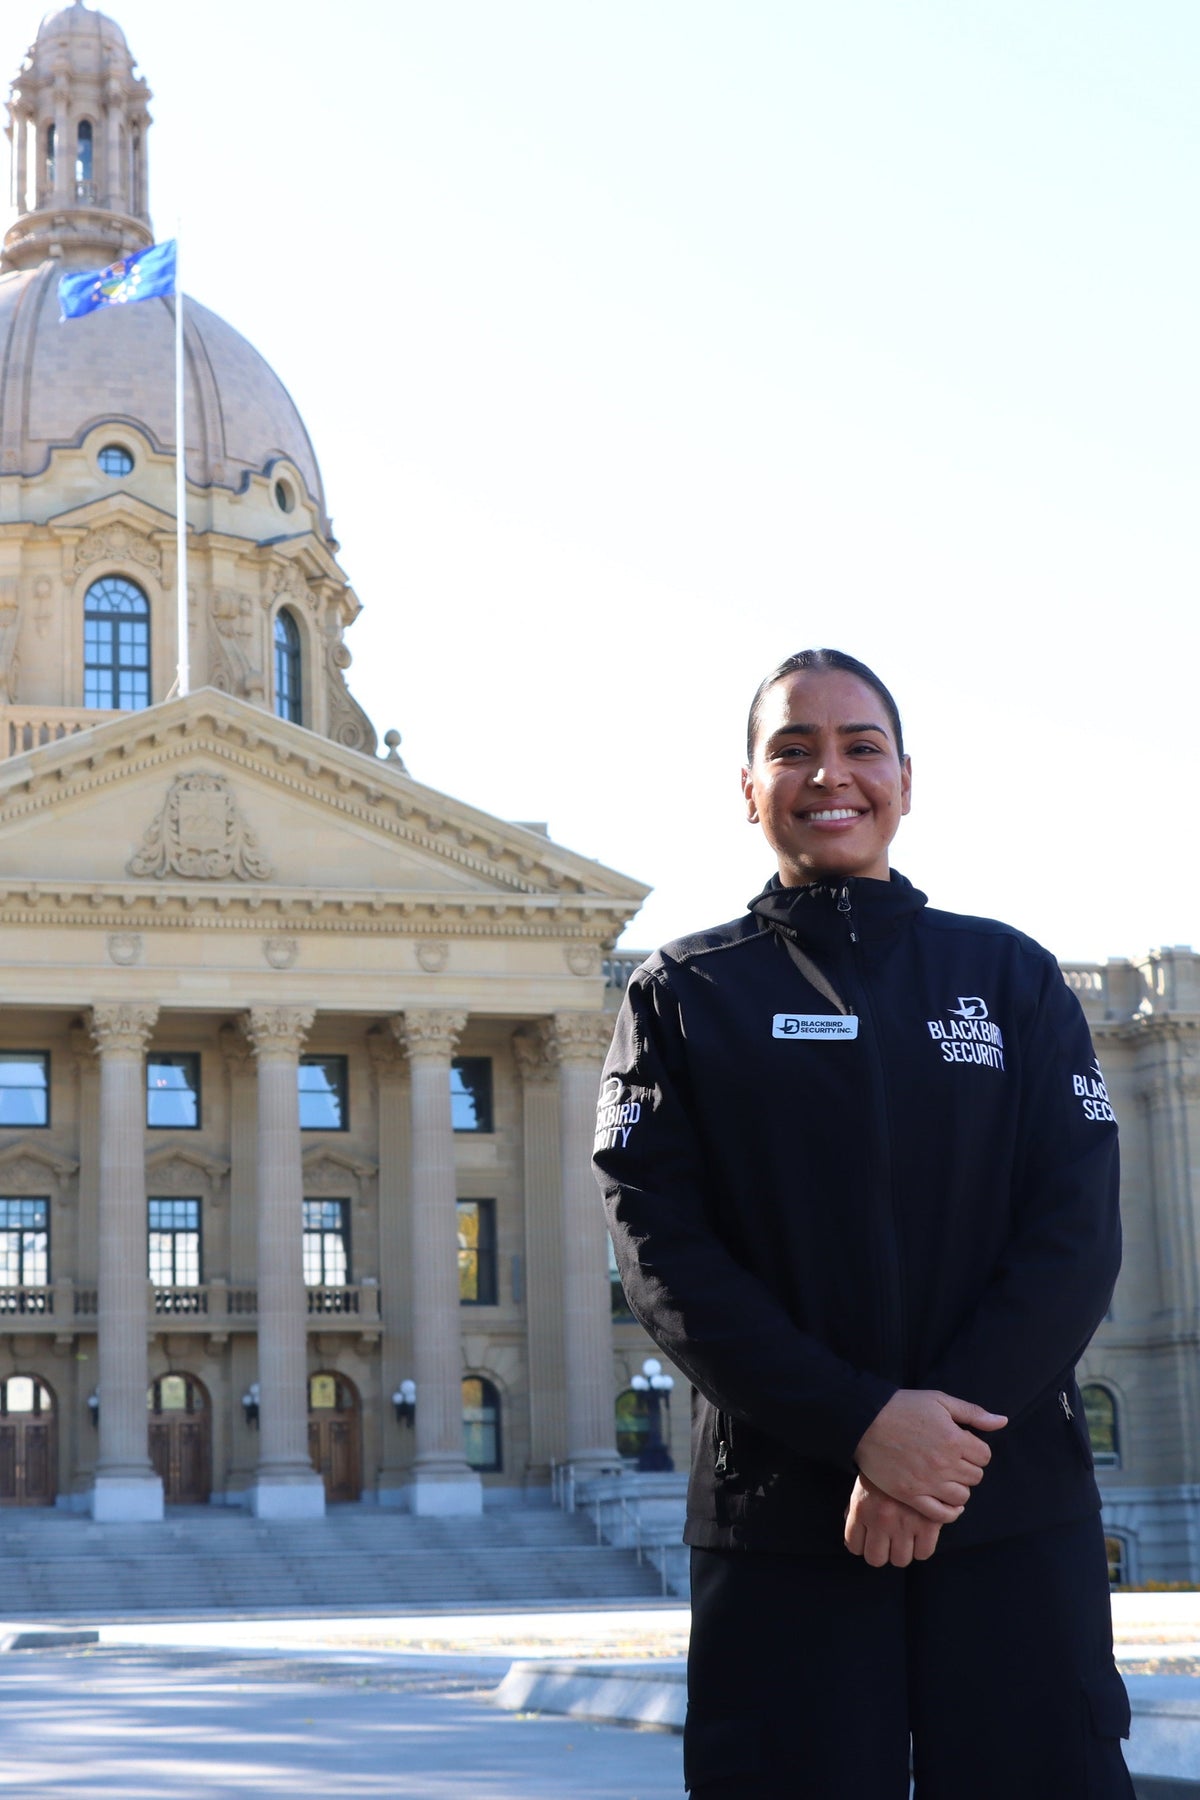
862 1206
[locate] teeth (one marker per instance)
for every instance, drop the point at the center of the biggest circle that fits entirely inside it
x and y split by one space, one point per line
835 812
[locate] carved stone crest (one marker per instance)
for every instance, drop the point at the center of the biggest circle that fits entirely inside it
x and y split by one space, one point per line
281 952
582 959
201 835
120 541
432 956
125 948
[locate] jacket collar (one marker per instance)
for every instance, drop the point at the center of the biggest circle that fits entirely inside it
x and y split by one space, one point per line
831 915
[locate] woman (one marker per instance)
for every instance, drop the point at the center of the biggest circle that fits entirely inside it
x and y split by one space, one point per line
860 1204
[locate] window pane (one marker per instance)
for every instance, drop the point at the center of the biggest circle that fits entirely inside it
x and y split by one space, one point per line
481 1424
116 644
1100 1411
322 1087
477 1252
24 1243
1114 1548
173 1092
24 1088
471 1093
326 1243
174 1242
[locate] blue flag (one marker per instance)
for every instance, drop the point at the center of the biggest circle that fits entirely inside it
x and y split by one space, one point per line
137 277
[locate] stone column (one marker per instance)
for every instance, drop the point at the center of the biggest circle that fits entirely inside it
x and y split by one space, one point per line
20 159
286 1486
441 1479
126 1486
533 1048
114 175
390 1068
580 1041
242 1069
64 149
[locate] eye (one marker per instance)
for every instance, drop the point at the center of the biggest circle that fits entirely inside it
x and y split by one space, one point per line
866 749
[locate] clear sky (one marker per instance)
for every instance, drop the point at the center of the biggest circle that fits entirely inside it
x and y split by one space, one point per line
645 342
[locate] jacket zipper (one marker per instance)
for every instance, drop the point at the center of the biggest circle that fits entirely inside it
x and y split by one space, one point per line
892 1285
1065 1404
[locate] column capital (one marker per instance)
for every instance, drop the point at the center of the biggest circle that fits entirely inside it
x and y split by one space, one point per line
388 1060
236 1048
426 1034
536 1053
122 1027
582 1037
278 1030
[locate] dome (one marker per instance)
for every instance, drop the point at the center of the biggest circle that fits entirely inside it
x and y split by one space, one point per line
91 33
59 380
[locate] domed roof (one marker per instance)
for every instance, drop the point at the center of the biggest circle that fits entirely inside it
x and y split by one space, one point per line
59 380
84 25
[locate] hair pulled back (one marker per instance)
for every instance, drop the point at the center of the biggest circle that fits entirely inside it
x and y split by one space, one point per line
818 661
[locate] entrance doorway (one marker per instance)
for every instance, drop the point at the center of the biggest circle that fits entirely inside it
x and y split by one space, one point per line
335 1436
181 1439
28 1442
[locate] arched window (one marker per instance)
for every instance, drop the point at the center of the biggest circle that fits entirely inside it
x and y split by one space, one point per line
633 1423
1116 1548
1100 1411
287 667
83 159
481 1424
116 645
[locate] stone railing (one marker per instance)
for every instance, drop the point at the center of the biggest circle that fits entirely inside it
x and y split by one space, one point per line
28 727
214 1307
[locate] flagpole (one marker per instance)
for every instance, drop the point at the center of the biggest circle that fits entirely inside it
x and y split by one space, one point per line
181 587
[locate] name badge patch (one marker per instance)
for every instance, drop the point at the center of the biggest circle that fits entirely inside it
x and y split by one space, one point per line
814 1025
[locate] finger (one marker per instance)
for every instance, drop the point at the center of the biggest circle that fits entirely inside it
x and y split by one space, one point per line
974 1451
902 1549
934 1509
855 1536
925 1541
965 1412
878 1548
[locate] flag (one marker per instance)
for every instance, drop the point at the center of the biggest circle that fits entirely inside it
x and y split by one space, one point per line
139 276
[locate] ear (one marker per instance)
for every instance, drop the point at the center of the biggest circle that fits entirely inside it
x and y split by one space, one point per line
748 796
905 785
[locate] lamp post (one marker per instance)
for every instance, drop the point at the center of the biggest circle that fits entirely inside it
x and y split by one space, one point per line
654 1456
405 1402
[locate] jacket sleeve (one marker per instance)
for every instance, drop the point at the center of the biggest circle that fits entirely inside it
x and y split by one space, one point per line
718 1323
1055 1279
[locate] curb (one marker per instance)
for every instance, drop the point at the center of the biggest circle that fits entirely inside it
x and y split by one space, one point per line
650 1694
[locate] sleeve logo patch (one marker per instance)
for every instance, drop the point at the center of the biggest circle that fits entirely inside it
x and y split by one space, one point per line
1093 1096
618 1111
814 1025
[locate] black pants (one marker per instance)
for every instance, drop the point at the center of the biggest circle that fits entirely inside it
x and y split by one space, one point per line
809 1675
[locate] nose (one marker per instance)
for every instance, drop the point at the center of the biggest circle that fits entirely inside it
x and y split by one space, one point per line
831 773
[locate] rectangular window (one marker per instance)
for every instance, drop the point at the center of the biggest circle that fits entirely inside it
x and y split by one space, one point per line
24 1251
326 1243
173 1092
174 1243
323 1094
477 1253
24 1087
471 1093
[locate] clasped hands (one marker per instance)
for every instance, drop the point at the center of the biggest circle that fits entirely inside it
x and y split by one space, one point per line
917 1464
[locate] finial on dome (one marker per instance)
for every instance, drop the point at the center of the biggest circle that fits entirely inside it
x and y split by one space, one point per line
392 740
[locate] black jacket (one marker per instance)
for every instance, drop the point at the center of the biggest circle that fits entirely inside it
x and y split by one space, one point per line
810 1211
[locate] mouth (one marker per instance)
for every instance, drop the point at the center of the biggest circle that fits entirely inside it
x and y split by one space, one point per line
832 815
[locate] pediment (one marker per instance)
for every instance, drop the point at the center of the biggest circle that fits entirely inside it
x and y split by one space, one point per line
334 1172
212 797
29 1167
178 1168
115 509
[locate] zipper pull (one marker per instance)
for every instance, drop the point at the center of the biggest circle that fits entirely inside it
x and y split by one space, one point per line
722 1463
1066 1405
843 907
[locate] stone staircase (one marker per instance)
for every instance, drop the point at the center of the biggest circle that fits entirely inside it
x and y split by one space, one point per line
57 1565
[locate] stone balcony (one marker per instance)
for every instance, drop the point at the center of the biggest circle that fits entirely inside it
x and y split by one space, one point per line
28 727
214 1309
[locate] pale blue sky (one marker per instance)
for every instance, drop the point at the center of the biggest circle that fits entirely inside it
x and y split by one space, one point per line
642 344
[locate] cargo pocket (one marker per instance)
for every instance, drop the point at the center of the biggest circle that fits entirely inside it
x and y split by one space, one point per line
719 1750
1108 1719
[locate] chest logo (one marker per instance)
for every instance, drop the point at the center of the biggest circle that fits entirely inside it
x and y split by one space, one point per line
814 1025
968 1034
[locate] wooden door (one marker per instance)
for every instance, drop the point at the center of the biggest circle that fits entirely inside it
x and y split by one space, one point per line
334 1437
181 1439
27 1444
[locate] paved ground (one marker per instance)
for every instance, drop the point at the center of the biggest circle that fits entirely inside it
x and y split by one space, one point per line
204 1724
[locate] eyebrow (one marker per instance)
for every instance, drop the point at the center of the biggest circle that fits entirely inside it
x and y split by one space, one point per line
811 730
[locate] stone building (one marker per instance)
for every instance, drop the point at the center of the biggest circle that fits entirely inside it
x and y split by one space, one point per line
298 1058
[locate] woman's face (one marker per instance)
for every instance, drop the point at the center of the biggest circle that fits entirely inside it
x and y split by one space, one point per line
826 784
